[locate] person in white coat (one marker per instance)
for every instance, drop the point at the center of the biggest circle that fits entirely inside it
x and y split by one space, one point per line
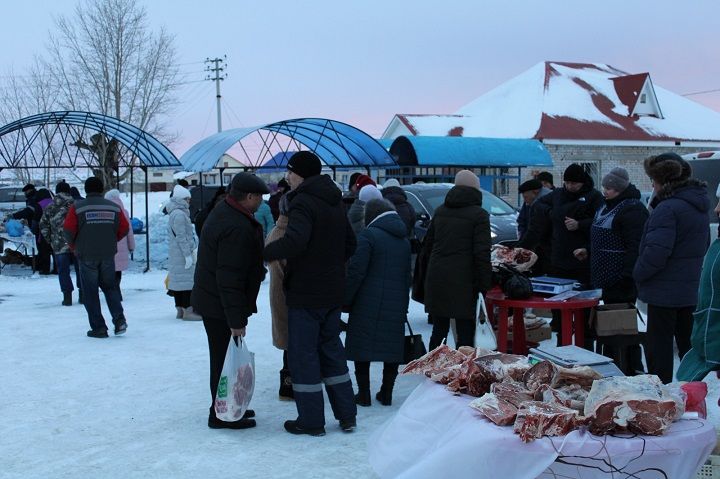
181 261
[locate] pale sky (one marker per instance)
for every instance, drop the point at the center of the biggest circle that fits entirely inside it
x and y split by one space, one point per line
363 61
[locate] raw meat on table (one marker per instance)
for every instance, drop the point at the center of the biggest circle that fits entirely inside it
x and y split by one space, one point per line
497 410
511 391
549 373
536 419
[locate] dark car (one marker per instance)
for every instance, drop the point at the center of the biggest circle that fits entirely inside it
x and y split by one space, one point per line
426 197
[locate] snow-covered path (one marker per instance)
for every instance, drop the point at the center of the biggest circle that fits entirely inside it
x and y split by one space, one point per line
136 405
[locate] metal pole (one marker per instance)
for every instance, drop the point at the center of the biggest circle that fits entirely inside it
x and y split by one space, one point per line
147 224
217 79
132 190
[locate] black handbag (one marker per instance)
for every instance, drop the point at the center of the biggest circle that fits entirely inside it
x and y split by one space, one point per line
513 283
414 346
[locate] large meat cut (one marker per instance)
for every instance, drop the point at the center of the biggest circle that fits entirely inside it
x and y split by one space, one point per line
536 419
638 404
498 410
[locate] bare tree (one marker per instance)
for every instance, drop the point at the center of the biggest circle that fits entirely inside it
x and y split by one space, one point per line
104 58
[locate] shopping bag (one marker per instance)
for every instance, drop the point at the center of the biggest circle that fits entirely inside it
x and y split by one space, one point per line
414 347
237 381
484 334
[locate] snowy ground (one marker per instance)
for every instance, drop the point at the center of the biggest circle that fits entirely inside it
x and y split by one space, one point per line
136 405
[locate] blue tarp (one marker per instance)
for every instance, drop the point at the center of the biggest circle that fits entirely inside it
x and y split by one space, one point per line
469 152
337 144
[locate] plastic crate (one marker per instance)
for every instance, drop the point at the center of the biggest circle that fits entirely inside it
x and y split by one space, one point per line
711 469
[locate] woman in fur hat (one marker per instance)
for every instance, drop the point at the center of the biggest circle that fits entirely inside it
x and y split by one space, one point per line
667 272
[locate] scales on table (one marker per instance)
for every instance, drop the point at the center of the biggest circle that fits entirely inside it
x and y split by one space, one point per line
550 285
571 356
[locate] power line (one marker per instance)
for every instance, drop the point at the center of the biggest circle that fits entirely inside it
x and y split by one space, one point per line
701 92
217 79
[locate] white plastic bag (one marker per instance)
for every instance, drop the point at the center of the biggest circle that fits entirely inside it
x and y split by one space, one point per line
237 381
484 334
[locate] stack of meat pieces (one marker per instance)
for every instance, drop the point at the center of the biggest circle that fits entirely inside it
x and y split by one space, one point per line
549 400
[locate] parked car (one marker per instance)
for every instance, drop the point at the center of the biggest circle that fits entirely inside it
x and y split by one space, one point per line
426 197
207 193
706 167
12 199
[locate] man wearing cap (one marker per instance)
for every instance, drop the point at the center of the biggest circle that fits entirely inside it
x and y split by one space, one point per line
316 245
672 248
531 191
30 212
228 274
93 227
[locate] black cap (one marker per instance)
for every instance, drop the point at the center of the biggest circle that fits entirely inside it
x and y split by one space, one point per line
575 173
530 185
305 164
28 187
248 183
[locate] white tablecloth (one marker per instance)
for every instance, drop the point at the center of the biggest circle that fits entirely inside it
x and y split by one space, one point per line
26 242
436 435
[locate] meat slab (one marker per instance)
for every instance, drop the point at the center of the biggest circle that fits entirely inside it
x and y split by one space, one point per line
496 409
536 419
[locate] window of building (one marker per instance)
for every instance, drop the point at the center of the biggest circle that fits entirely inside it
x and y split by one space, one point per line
157 175
643 98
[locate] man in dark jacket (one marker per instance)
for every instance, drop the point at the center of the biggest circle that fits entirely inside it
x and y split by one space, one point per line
227 279
317 244
458 245
93 227
531 191
667 272
394 194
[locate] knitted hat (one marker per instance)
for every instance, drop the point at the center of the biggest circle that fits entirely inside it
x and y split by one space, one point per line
94 185
112 194
364 180
391 182
304 164
618 179
180 193
530 185
467 178
575 173
62 187
369 192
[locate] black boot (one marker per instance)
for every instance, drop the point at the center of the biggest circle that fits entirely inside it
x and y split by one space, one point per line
362 398
385 393
80 296
67 298
286 390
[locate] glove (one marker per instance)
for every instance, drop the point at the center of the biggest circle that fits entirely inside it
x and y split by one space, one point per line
188 262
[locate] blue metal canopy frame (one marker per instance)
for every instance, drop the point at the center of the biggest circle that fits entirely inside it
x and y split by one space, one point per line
56 131
149 151
337 144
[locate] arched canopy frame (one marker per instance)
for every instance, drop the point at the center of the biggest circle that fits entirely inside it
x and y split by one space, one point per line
337 144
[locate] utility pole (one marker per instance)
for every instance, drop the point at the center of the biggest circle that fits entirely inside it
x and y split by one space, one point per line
219 66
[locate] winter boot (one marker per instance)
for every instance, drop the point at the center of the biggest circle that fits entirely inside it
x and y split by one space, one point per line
286 390
67 298
385 393
362 398
190 315
180 312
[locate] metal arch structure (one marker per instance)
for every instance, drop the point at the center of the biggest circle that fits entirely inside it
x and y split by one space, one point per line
337 144
44 141
146 148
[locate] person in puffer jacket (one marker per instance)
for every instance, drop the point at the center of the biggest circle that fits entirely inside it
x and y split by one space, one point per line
181 261
672 248
396 195
51 228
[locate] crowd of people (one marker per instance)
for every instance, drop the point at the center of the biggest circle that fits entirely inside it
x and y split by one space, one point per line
329 253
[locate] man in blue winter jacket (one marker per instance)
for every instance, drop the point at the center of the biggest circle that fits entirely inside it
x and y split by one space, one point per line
672 248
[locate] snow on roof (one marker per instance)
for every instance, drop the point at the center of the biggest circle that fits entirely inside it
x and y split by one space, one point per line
583 101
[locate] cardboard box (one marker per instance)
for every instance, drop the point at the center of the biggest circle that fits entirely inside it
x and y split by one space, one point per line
614 319
536 335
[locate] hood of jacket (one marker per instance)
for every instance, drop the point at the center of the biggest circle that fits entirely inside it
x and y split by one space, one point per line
461 196
691 191
177 204
62 200
319 186
629 193
395 195
390 222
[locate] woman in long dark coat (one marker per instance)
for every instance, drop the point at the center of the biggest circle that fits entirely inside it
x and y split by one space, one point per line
378 279
458 244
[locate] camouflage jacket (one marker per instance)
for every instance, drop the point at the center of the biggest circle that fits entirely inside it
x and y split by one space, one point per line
51 223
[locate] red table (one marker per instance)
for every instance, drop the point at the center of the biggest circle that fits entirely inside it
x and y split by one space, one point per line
571 311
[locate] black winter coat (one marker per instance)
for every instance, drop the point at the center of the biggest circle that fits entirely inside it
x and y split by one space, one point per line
628 225
673 245
458 244
397 196
377 292
316 245
229 266
580 206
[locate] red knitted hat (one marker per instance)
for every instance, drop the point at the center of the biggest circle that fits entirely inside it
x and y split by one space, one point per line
364 180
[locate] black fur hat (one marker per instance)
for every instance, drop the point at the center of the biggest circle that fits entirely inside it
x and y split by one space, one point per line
667 168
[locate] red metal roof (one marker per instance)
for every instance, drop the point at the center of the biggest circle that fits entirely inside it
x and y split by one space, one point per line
628 88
